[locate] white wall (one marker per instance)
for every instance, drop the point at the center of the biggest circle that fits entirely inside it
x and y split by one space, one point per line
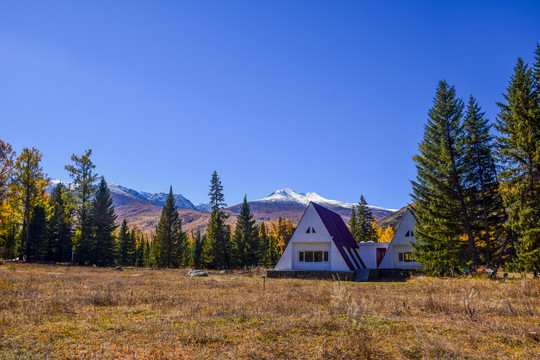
368 253
401 243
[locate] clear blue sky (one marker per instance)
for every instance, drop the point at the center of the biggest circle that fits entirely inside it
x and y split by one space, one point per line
318 96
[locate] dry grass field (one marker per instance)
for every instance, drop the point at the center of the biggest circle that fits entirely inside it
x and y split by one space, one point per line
61 312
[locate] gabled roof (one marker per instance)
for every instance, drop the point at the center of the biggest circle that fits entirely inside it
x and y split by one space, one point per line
397 228
341 236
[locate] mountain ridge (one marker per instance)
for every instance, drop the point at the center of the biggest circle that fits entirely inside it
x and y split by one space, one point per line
143 208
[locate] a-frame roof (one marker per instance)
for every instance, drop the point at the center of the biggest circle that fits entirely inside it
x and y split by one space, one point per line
409 210
341 236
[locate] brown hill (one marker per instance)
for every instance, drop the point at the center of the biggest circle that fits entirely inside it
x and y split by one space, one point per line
393 219
145 215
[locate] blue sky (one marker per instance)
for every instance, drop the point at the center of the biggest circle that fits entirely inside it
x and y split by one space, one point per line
318 96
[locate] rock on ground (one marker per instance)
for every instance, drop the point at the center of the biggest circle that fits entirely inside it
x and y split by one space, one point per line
193 272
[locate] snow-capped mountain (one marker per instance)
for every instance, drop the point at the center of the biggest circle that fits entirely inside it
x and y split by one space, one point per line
156 199
144 208
289 196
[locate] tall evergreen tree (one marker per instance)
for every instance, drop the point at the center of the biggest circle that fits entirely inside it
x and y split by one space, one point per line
122 244
518 148
245 238
37 234
481 184
29 183
197 251
169 245
354 226
140 251
268 247
81 171
59 235
441 206
364 230
103 221
217 247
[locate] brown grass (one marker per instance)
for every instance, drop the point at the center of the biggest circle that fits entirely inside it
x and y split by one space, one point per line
65 312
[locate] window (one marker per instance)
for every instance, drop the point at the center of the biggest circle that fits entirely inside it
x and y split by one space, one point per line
412 233
313 256
313 230
308 230
405 257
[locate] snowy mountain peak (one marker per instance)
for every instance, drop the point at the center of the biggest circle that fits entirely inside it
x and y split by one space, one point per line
290 196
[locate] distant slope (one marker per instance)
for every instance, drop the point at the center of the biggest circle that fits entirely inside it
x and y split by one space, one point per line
144 209
392 219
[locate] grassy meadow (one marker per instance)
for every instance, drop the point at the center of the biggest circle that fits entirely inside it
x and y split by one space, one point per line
62 312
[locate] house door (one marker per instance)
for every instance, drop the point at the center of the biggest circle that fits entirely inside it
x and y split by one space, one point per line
380 255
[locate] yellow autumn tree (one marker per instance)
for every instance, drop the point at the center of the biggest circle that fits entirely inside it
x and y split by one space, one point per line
281 231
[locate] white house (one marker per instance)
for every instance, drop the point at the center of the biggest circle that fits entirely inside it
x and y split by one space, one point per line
398 253
321 241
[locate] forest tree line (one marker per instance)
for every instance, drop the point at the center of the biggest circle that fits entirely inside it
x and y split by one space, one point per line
477 196
77 223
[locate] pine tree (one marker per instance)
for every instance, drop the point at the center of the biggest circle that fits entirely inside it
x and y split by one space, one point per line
364 231
132 246
147 253
37 234
29 183
140 251
245 239
169 245
59 234
217 247
103 222
81 171
269 247
441 206
122 244
354 227
196 251
518 148
480 178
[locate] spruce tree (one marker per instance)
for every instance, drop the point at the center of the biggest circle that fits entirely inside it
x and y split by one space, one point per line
37 234
354 227
364 231
217 247
139 252
122 244
169 245
441 207
518 148
245 238
60 229
269 247
480 179
196 251
103 221
81 171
